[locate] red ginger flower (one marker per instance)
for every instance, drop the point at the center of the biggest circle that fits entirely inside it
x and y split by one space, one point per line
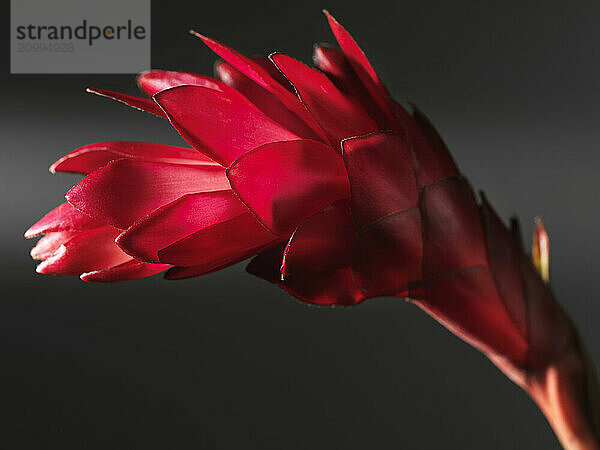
339 191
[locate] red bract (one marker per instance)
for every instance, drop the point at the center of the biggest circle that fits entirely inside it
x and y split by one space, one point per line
341 193
338 191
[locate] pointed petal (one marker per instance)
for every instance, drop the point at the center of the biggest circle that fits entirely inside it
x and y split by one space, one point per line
90 250
452 231
467 303
219 244
504 254
62 218
49 243
335 65
381 174
437 144
274 72
264 100
337 115
246 65
361 65
256 72
177 220
267 264
321 243
154 81
285 182
129 270
432 159
223 125
353 52
91 157
548 328
143 104
125 190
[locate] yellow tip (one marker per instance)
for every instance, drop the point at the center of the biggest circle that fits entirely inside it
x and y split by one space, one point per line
540 250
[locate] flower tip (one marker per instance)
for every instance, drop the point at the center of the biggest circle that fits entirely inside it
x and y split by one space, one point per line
37 254
43 268
51 265
121 242
210 42
206 39
328 14
88 276
540 250
95 92
221 73
31 232
332 20
142 75
55 165
539 224
283 272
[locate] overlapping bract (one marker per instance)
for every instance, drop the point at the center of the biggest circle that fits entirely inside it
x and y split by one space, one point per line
337 190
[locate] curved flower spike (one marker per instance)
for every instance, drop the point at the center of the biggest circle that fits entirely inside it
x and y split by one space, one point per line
340 195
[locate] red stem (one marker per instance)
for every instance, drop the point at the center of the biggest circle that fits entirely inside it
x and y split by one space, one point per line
566 391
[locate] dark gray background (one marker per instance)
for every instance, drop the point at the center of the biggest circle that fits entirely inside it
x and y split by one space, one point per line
229 361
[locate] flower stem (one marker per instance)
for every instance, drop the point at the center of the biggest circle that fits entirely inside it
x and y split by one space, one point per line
567 394
566 391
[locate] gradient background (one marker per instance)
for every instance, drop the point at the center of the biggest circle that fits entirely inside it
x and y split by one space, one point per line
229 361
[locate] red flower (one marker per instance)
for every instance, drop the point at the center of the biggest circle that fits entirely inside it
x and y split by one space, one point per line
340 193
